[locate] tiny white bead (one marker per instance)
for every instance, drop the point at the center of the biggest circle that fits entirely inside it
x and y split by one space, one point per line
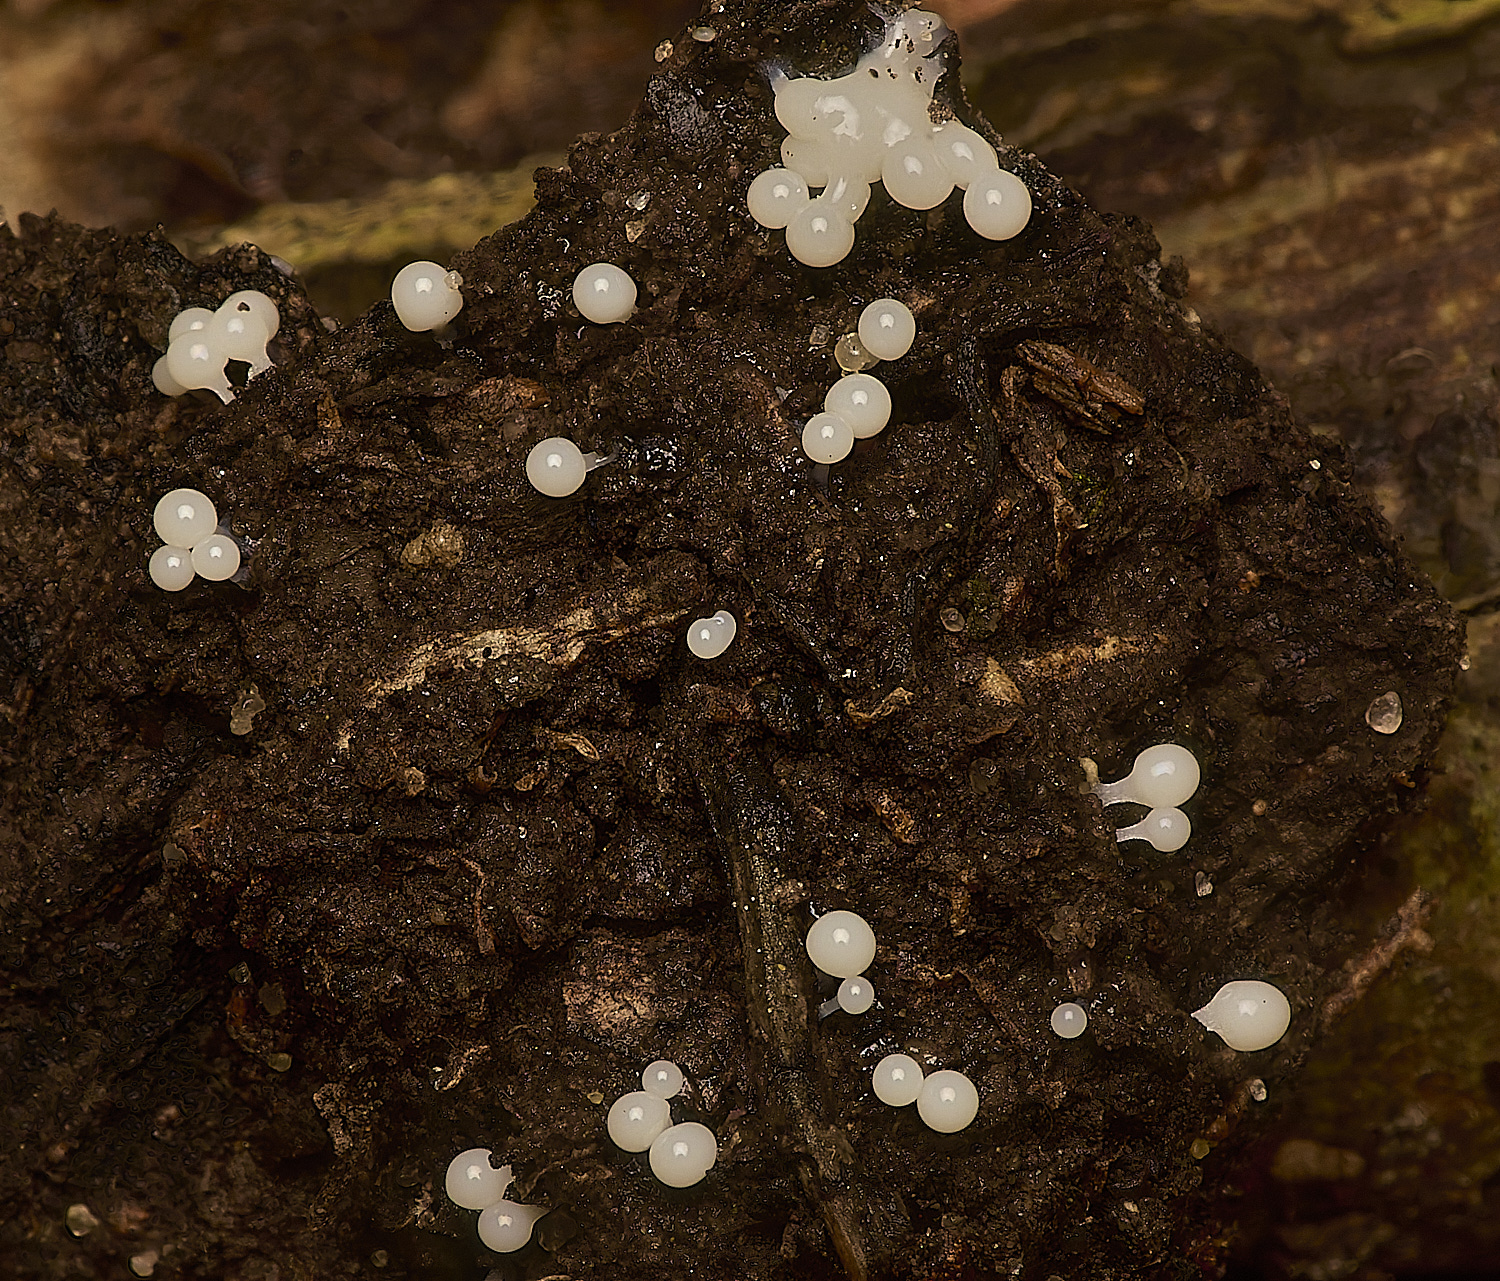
472 1182
604 294
1167 829
184 518
709 637
682 1154
887 328
423 298
862 401
191 319
1247 1014
914 176
776 197
171 568
820 235
1162 777
948 1102
897 1080
827 438
635 1119
256 304
963 153
997 204
216 558
662 1078
1069 1020
505 1227
556 466
856 995
841 944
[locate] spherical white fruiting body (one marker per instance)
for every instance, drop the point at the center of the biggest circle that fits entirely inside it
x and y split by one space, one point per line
472 1183
184 518
997 204
820 235
216 558
709 637
505 1226
191 318
257 304
862 401
913 174
604 293
423 296
662 1078
841 944
776 197
195 362
1069 1020
897 1080
963 153
682 1154
1247 1014
1162 777
635 1119
556 466
856 995
1167 829
948 1102
827 438
887 328
240 335
171 568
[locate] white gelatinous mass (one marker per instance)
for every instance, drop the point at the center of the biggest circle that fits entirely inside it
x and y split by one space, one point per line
556 466
1247 1014
635 1119
948 1102
897 1080
710 637
1166 829
472 1183
604 293
424 296
184 518
841 944
1162 777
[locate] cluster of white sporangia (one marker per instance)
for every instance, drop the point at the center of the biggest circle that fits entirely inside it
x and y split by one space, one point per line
201 343
472 1183
641 1121
875 125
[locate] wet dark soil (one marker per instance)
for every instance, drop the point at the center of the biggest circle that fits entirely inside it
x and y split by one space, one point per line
497 839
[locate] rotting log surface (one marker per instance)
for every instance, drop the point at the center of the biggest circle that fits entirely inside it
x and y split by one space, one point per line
485 852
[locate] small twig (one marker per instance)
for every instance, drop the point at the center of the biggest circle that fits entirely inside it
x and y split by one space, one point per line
1404 930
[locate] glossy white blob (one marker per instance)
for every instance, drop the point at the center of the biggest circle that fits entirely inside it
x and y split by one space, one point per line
827 438
506 1226
849 196
662 1078
162 380
257 304
776 197
841 944
710 637
1166 829
808 158
862 401
1069 1020
184 518
914 176
472 1183
636 1119
963 153
216 558
1247 1014
795 104
948 1102
240 335
556 466
820 235
997 204
171 568
897 1080
856 995
604 294
194 362
191 319
887 328
682 1154
423 297
1162 777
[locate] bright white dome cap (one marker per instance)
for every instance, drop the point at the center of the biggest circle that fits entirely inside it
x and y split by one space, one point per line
162 380
963 153
820 235
192 318
216 558
862 401
1167 829
1069 1019
472 1182
948 1102
841 944
710 637
257 304
776 197
635 1119
913 174
171 568
194 361
856 995
506 1226
682 1154
897 1080
240 335
887 328
997 204
184 518
1247 1014
1162 777
423 298
556 466
806 157
827 438
604 294
662 1078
